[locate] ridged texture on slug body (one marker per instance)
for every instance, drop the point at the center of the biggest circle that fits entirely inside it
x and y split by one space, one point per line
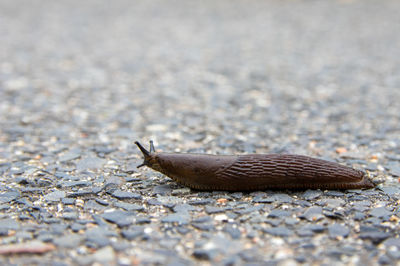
254 171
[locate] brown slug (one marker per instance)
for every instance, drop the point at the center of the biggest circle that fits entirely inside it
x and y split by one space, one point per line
253 171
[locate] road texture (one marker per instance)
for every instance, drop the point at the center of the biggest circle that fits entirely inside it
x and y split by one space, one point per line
80 81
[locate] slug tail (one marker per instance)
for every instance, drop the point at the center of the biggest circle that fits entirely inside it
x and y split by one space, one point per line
146 153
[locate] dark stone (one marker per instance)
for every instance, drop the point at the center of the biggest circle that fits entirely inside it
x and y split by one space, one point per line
312 194
162 189
300 258
81 193
234 232
70 215
375 236
375 221
128 206
332 203
31 190
204 226
68 241
77 227
384 260
168 205
334 215
201 202
395 242
303 203
338 230
68 184
230 261
102 202
237 195
183 230
121 218
371 167
390 190
358 197
278 231
263 199
291 221
245 210
304 233
142 220
9 224
361 206
281 198
212 209
395 170
4 167
8 196
176 218
202 219
112 183
3 232
154 202
183 208
335 253
131 234
313 214
276 213
103 150
4 207
250 255
203 254
97 189
68 201
69 156
55 195
97 241
131 179
393 254
333 193
45 237
121 246
273 221
119 194
380 212
24 217
93 205
62 175
93 163
359 216
99 237
58 228
317 228
307 246
22 180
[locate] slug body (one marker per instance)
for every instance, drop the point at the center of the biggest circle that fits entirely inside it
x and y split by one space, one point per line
253 171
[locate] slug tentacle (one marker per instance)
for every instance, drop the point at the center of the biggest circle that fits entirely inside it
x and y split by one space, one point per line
146 153
152 147
253 171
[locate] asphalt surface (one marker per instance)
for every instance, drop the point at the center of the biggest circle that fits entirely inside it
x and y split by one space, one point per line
80 81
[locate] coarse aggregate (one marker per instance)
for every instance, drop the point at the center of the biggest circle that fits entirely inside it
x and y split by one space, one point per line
80 81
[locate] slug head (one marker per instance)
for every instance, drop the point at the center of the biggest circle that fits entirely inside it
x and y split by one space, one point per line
149 156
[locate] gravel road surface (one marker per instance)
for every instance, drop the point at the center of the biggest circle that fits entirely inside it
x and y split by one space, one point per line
80 81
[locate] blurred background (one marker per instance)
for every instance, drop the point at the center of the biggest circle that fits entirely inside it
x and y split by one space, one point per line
259 75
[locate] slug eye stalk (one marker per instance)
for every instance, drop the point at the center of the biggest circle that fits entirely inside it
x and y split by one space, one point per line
146 153
152 147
